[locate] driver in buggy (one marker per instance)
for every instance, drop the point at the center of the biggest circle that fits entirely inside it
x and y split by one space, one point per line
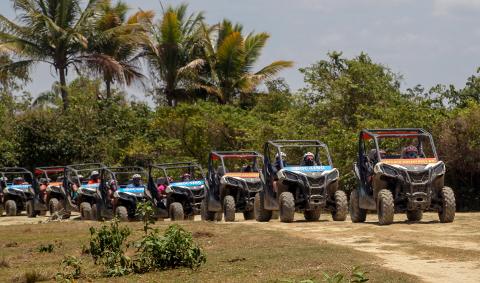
19 181
277 166
410 152
186 177
309 160
136 181
94 178
372 161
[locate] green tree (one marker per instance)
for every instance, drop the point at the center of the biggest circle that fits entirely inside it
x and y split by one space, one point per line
170 50
117 38
52 32
11 77
229 57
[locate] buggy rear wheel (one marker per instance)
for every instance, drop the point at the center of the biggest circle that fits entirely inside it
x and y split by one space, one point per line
312 215
385 207
53 206
414 215
261 214
448 207
287 207
249 215
86 211
11 208
206 215
122 213
357 214
341 206
229 208
30 209
176 212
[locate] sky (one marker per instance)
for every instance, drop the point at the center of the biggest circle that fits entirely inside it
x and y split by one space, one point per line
426 41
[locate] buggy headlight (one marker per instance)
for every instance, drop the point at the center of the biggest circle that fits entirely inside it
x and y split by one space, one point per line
290 175
439 169
333 175
389 171
232 181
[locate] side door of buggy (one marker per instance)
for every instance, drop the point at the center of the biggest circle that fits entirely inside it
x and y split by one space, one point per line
212 190
268 175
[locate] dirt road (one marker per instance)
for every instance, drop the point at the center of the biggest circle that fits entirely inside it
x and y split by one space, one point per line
432 251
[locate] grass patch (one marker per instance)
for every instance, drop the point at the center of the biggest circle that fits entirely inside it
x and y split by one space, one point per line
235 253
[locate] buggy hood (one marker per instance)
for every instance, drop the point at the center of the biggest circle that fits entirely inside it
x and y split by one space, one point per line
308 169
189 184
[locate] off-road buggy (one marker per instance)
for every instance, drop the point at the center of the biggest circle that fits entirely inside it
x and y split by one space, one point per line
233 180
16 186
299 176
177 189
119 193
398 170
47 200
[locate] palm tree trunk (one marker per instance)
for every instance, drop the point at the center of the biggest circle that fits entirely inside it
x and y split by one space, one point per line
108 86
63 88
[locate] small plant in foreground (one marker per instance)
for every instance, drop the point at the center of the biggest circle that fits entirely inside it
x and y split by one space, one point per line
357 276
46 248
175 249
147 213
72 269
31 277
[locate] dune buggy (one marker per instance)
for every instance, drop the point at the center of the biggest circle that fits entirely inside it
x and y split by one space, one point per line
177 189
16 189
121 188
398 170
233 180
299 176
47 190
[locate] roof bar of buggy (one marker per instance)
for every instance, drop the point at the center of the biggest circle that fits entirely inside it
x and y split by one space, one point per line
296 143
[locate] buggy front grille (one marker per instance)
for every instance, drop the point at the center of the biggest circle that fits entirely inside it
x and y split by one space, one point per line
419 177
316 181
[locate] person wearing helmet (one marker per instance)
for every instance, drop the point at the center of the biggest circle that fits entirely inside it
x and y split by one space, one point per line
136 180
94 178
309 159
19 181
410 152
186 177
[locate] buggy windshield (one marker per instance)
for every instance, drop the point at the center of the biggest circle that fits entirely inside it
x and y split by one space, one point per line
238 164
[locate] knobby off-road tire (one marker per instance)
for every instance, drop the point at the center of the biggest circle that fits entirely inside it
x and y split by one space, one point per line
357 214
11 208
414 215
205 214
29 207
287 207
176 212
341 206
385 207
53 206
122 213
86 211
448 207
261 214
229 209
95 215
249 215
312 215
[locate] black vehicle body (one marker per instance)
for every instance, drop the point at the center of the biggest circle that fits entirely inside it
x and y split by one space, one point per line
124 197
14 197
307 189
84 197
396 183
182 199
229 191
54 191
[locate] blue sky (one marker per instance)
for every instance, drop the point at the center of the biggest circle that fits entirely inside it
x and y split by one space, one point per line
428 41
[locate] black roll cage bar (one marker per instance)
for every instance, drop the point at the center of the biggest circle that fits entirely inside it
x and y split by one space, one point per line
279 144
176 165
15 170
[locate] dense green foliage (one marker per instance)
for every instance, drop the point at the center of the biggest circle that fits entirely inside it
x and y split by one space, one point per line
207 96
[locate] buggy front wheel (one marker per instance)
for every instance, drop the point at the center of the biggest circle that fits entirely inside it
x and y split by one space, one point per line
30 209
176 212
122 213
261 214
357 214
229 208
287 207
86 211
448 207
341 206
11 208
385 207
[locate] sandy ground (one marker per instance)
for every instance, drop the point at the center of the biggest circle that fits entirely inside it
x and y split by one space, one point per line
430 250
433 251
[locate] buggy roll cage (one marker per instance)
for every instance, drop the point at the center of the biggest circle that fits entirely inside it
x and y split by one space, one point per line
176 165
279 144
221 155
75 168
15 170
39 171
375 134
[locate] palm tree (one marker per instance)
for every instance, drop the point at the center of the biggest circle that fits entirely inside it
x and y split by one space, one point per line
117 38
229 60
170 49
50 31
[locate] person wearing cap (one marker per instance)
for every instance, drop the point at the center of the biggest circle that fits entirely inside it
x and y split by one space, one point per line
186 177
136 181
309 159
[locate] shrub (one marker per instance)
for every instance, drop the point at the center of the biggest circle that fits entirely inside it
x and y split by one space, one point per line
71 269
356 276
46 248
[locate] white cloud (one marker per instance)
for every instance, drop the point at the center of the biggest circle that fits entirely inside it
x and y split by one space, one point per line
445 7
